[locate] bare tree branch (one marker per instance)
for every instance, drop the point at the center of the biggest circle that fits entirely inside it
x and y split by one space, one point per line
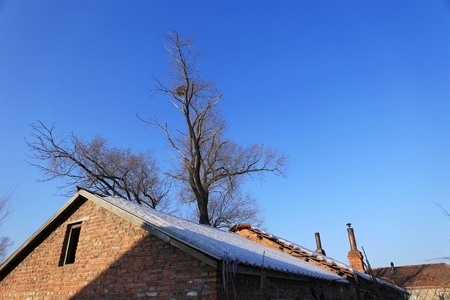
5 212
96 166
446 212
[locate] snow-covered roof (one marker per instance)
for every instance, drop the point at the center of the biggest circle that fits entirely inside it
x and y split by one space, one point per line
222 245
335 263
305 253
301 251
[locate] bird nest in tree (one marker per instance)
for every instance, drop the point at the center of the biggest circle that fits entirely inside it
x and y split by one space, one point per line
181 90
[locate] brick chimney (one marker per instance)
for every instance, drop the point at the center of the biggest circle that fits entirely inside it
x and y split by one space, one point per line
319 244
354 256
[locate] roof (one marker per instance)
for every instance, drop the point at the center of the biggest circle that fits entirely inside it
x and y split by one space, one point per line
300 251
310 256
218 245
426 275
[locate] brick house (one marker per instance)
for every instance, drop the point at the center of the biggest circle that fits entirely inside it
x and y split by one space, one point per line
423 282
98 247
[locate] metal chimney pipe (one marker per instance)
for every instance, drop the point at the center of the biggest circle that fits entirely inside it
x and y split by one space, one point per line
319 244
351 237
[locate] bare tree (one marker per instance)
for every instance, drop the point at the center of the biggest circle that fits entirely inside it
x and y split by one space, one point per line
228 210
5 211
446 212
96 166
211 166
230 206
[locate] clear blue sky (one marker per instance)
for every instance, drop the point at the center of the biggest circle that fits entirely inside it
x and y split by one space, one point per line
356 93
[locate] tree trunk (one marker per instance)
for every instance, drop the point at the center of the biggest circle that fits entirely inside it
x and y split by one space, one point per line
203 211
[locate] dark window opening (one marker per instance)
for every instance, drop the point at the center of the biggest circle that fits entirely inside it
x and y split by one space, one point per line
72 237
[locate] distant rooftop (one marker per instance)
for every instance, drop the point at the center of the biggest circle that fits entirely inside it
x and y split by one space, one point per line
430 275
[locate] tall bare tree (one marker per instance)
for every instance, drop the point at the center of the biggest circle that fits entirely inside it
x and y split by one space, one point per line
5 211
96 166
211 167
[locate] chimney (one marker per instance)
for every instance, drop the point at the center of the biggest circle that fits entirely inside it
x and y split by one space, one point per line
319 244
354 256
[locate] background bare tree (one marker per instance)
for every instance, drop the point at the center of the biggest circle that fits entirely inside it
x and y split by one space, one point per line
446 212
226 210
229 206
5 211
96 166
211 166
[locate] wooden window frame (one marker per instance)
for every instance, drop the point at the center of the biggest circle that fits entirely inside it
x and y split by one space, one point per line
71 243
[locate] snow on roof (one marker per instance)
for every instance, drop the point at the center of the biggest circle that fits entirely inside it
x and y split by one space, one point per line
310 253
226 246
321 257
339 264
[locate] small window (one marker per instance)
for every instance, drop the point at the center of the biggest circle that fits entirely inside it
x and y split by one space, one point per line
71 243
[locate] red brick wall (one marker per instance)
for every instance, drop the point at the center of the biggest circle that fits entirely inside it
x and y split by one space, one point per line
114 259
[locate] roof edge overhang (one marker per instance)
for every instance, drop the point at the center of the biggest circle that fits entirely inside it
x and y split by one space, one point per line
265 272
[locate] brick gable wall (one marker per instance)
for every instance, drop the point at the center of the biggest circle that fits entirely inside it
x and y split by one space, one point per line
114 259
